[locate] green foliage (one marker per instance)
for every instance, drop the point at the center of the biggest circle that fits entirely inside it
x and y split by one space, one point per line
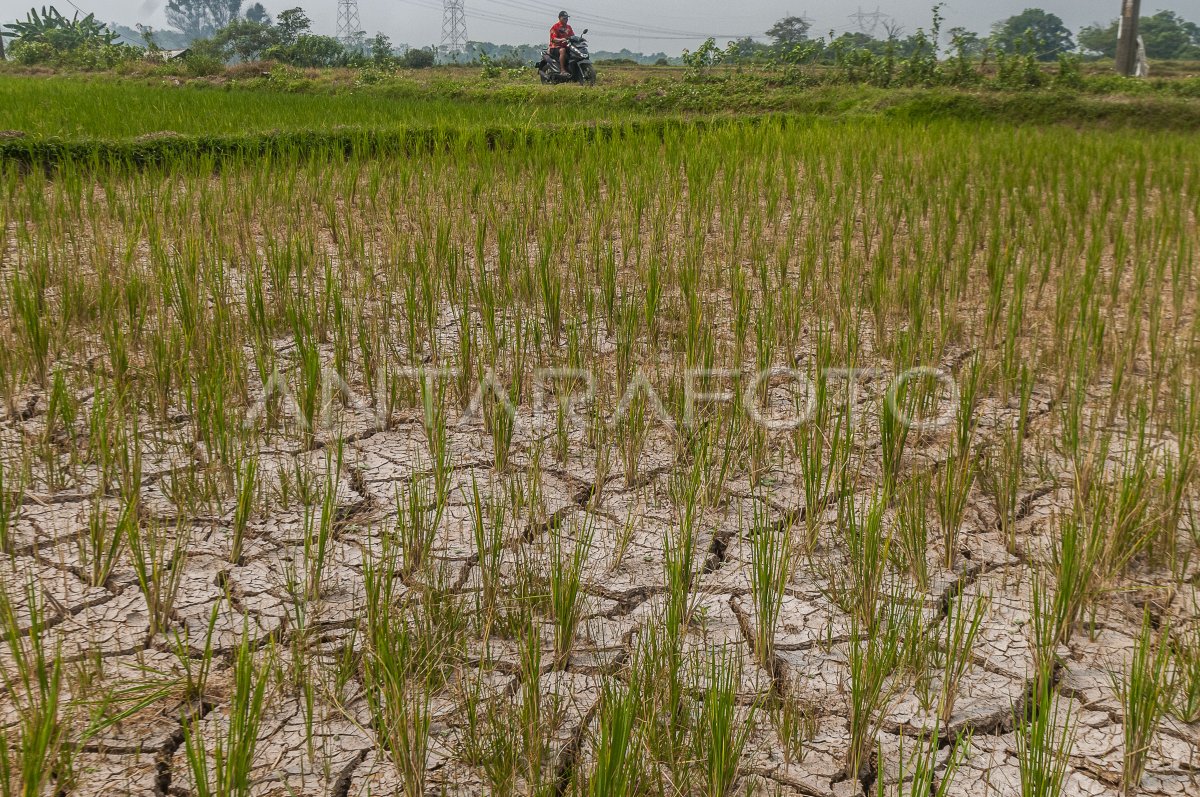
789 32
1035 31
700 62
51 38
1167 35
52 28
246 40
418 58
198 19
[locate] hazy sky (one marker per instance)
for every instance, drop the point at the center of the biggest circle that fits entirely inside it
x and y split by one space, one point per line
667 25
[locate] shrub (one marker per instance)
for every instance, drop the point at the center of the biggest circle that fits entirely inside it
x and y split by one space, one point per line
418 59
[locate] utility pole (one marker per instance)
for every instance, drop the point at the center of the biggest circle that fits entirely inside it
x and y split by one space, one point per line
1127 37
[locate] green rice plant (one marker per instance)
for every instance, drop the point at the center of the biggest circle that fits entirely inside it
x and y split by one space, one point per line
32 309
566 586
531 719
796 722
1045 630
894 427
912 529
720 735
918 774
1043 747
1185 683
487 528
821 471
500 420
1145 695
10 507
100 545
1076 561
398 674
617 771
434 422
35 755
318 535
679 552
953 487
229 770
770 570
62 408
157 557
868 543
1174 505
961 626
877 648
487 737
246 486
417 517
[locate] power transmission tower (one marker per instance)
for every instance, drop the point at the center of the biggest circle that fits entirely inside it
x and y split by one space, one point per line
349 26
868 21
454 27
1127 38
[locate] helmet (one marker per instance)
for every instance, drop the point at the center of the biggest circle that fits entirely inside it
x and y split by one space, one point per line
563 15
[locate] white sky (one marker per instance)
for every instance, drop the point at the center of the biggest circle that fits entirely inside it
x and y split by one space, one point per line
664 25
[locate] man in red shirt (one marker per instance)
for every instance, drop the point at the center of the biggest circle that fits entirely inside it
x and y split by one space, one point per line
560 35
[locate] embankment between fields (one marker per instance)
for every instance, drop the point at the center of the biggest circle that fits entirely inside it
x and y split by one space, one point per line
915 106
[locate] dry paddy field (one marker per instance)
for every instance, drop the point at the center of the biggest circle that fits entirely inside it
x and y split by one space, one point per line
790 457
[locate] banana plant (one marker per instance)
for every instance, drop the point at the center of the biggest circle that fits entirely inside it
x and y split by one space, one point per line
51 27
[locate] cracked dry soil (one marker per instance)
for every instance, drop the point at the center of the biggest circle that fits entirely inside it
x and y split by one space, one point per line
127 710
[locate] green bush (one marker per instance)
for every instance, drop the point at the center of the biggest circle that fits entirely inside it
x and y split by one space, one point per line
418 59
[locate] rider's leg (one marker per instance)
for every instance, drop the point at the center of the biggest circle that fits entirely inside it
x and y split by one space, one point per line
562 59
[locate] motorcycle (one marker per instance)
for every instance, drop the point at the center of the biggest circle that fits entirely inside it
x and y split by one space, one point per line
579 64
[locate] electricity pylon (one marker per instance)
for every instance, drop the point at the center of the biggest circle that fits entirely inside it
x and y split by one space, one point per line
349 26
454 28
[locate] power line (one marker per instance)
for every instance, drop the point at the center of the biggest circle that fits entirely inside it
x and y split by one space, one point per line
624 28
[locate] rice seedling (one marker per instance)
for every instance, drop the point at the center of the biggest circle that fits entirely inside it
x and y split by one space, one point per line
398 674
100 546
953 486
1145 695
488 740
35 754
10 504
721 734
912 529
566 583
796 723
1003 469
246 489
531 718
894 427
617 772
1044 736
770 571
957 649
229 770
876 649
858 588
1185 682
488 527
918 772
418 514
157 556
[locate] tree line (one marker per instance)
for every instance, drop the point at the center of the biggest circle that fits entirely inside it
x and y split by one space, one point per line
224 31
